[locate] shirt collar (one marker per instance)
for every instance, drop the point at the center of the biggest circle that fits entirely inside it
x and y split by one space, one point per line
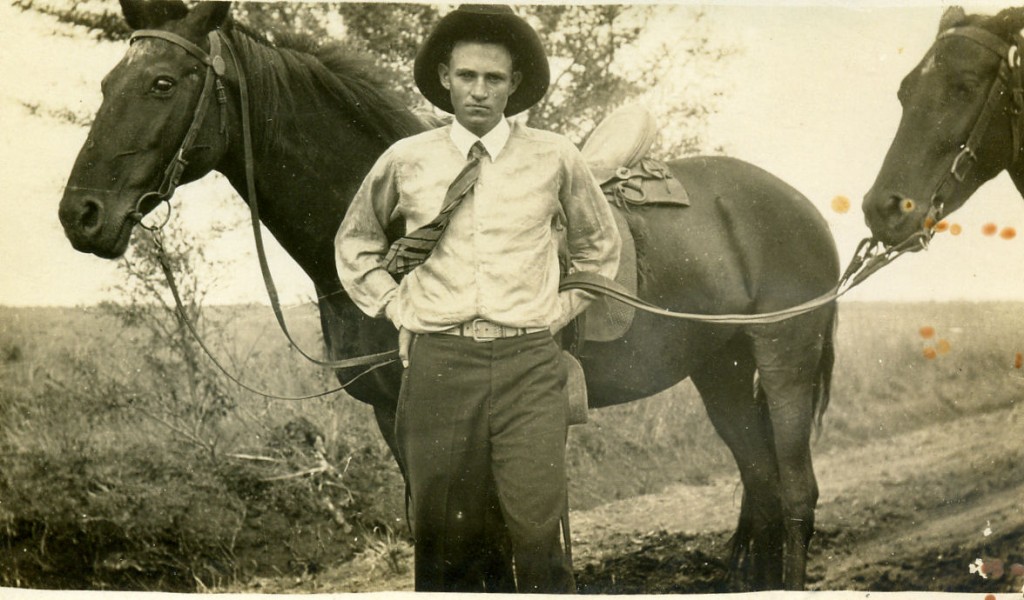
494 140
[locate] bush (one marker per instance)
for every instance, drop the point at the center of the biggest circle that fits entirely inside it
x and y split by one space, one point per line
135 465
97 490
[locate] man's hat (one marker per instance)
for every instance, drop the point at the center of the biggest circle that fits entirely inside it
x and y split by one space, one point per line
490 23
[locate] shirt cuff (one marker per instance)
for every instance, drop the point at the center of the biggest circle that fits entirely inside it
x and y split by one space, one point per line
391 312
571 304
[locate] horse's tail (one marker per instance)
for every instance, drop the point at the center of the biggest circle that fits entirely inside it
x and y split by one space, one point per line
823 376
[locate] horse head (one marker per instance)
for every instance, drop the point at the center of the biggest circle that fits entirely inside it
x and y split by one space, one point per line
961 125
136 151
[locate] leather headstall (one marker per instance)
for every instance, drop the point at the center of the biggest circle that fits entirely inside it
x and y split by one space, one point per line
215 69
1009 79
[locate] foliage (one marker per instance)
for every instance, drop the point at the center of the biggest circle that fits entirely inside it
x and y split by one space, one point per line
101 19
602 55
131 463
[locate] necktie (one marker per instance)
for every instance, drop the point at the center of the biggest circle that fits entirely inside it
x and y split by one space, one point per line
410 250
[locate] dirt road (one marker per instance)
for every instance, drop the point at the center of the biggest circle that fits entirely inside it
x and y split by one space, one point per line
907 513
895 514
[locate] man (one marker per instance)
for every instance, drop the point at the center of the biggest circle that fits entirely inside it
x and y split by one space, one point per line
481 419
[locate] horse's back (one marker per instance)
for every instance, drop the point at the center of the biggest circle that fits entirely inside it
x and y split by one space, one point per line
748 227
748 243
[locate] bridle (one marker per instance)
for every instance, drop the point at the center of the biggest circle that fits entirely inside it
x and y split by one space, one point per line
215 69
871 254
215 72
1009 79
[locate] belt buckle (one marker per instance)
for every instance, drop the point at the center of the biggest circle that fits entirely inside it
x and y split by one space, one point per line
476 336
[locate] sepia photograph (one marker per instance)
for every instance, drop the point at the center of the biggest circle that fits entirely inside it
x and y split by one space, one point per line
716 298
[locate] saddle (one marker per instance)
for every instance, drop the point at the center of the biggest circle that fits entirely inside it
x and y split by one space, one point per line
617 155
616 152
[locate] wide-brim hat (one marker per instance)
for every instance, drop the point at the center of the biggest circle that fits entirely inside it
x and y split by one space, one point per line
490 22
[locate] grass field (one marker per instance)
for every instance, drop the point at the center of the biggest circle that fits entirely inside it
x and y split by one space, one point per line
125 465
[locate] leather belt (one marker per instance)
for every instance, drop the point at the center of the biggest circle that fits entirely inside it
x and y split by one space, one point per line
482 330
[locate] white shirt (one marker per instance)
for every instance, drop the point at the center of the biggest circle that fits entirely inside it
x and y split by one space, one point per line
498 258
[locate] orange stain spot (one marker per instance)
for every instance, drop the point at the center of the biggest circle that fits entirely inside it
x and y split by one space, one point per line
942 226
989 229
929 353
990 597
943 347
841 204
929 222
1018 362
955 229
1008 233
993 567
927 332
1017 570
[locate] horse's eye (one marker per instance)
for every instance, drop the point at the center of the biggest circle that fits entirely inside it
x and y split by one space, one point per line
162 85
963 90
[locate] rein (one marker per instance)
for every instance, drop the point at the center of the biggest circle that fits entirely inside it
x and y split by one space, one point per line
1010 78
169 275
868 259
215 70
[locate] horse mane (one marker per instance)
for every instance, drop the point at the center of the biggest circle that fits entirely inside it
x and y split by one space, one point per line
335 77
1006 23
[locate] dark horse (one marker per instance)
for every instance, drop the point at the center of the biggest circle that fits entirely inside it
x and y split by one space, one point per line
748 244
962 124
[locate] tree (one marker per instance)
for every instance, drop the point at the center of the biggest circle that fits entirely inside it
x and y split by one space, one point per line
602 55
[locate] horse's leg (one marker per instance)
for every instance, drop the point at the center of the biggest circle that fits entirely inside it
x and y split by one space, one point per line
788 356
725 382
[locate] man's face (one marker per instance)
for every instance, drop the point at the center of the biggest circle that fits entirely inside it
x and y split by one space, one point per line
480 79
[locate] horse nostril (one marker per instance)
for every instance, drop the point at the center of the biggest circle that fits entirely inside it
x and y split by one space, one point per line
89 218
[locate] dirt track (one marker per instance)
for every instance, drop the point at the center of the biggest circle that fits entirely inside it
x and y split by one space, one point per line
896 514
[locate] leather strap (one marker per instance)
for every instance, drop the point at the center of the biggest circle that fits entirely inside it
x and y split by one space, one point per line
1009 78
250 184
177 40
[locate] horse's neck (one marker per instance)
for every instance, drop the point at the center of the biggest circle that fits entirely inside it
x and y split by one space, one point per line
304 185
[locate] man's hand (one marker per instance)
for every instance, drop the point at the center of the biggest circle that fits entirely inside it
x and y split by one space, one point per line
404 342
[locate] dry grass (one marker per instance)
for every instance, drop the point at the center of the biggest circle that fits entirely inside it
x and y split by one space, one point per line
101 468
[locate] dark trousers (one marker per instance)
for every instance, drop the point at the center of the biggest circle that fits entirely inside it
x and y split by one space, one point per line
482 429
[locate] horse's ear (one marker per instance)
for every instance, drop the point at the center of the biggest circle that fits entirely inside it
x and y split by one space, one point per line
207 16
953 16
147 14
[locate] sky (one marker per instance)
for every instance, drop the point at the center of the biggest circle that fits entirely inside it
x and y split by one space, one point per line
811 98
